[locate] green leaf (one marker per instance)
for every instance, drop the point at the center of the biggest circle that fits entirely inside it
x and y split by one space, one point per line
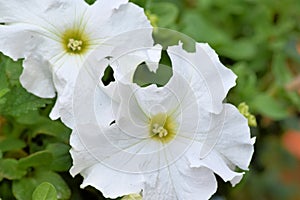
241 49
9 169
24 188
61 157
246 88
52 128
3 92
9 144
19 101
267 105
31 117
13 71
45 191
37 159
167 13
199 28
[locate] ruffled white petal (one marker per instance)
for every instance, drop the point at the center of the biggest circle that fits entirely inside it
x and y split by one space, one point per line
106 8
82 159
235 142
118 22
180 181
49 12
217 164
127 36
210 79
174 179
65 73
229 135
125 66
118 150
112 183
37 77
131 116
231 145
17 41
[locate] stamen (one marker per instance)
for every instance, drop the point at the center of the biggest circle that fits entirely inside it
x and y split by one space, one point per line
159 130
75 45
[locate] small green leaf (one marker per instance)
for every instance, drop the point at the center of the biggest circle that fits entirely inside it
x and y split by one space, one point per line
37 159
266 105
19 102
30 118
9 169
241 49
45 191
61 157
24 188
198 27
9 144
52 128
167 13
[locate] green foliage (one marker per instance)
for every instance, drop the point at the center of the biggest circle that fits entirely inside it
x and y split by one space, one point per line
9 144
23 189
45 191
32 146
61 157
166 13
9 169
15 100
269 106
36 159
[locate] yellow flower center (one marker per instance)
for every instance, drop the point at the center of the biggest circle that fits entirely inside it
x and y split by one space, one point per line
162 128
75 41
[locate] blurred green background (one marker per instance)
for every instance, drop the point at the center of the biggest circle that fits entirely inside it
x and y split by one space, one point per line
258 39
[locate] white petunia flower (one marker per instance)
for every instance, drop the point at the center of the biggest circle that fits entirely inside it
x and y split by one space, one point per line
160 141
56 36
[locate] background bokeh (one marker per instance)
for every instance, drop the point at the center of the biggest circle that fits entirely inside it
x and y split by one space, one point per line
258 39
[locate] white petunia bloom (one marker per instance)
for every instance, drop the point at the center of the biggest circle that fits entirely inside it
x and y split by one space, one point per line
161 141
56 36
